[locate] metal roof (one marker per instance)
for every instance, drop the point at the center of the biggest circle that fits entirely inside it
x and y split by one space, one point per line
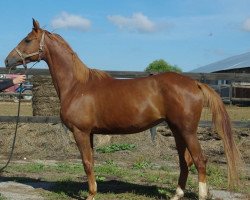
234 62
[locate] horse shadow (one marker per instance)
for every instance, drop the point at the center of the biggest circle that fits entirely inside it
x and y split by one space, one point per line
72 188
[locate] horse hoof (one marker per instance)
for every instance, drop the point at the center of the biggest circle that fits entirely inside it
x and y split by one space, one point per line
178 195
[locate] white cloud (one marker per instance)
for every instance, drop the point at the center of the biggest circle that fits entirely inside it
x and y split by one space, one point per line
66 20
246 25
137 22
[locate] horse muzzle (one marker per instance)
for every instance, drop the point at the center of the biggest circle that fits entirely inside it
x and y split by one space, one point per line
12 62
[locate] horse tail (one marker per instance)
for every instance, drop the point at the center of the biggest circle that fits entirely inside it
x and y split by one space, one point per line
222 125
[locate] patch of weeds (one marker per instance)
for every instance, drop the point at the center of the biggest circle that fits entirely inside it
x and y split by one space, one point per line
28 168
154 178
192 183
166 192
193 169
216 176
2 197
109 168
63 189
83 193
115 147
100 178
111 162
142 165
69 168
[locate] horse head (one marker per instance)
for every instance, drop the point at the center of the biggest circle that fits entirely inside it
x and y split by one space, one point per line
30 49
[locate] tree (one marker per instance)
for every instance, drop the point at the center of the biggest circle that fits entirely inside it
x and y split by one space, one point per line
162 66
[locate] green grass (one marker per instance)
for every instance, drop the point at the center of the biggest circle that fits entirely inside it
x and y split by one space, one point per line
217 176
143 164
70 168
138 181
27 168
2 197
115 147
109 168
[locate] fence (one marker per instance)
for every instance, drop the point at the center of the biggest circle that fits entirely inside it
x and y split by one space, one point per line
227 91
234 93
56 120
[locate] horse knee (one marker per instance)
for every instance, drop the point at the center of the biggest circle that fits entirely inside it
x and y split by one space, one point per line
88 167
188 158
200 163
201 166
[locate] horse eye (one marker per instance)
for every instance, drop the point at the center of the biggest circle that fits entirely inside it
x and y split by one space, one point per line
27 40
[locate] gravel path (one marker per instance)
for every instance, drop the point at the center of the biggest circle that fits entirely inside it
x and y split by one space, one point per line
18 191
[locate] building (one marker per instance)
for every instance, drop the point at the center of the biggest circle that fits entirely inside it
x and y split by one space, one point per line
230 91
235 64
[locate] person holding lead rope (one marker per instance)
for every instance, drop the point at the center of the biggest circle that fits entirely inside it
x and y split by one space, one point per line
4 84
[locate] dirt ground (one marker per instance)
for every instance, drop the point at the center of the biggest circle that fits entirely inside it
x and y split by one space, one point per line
9 108
49 142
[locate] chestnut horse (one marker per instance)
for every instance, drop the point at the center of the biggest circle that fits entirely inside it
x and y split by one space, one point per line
92 102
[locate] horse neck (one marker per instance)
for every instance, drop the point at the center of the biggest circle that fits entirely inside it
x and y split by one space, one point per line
65 67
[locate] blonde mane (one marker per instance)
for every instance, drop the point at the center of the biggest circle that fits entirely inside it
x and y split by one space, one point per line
81 71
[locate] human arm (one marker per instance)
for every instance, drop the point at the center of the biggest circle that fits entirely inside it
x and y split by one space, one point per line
4 84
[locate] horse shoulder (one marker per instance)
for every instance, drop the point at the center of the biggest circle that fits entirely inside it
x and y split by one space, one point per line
80 111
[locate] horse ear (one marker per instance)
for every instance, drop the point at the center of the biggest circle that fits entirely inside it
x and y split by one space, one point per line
36 25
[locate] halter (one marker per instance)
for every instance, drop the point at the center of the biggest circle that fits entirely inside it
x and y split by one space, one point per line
24 56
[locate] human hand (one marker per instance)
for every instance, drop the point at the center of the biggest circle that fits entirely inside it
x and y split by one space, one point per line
19 79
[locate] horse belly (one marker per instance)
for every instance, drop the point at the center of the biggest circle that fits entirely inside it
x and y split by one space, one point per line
130 119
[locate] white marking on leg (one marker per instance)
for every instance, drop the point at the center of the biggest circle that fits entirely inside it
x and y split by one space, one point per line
178 194
202 191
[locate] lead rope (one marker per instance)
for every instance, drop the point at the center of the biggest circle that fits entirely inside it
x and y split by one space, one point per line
15 134
17 121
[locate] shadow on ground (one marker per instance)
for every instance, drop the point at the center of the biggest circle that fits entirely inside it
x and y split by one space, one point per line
72 189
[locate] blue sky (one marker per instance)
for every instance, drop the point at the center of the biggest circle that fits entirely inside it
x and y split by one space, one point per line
130 34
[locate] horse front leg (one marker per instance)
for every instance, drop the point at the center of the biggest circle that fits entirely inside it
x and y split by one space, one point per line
84 142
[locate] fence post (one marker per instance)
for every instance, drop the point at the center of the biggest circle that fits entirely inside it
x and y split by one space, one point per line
230 93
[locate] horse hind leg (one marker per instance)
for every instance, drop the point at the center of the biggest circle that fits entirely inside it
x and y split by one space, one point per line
190 152
184 171
185 161
199 160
